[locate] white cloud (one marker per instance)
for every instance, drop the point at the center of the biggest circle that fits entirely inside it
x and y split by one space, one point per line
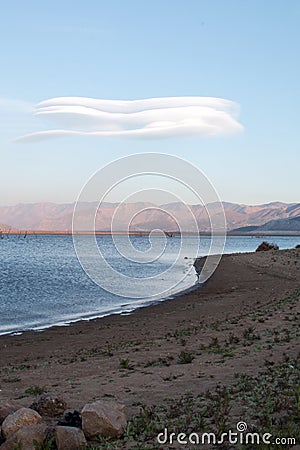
153 117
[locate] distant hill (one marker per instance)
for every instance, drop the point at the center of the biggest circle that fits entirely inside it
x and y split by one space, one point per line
58 217
290 225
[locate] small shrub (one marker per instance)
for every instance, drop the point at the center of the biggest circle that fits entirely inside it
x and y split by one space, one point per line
48 444
125 364
214 343
185 358
250 335
232 339
11 380
35 390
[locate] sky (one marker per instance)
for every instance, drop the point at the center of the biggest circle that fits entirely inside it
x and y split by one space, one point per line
243 53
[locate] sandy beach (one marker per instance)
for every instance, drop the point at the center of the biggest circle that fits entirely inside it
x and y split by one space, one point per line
242 324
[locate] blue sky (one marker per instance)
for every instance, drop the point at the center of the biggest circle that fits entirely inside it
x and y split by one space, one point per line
244 51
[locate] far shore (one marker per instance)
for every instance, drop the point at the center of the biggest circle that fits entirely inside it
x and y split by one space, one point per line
140 233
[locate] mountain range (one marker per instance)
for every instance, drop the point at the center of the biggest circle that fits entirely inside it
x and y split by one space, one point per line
146 216
290 225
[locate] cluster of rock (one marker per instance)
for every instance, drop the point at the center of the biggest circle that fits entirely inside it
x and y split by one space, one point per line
265 246
48 420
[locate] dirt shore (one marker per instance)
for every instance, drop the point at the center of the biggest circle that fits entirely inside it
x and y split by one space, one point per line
243 322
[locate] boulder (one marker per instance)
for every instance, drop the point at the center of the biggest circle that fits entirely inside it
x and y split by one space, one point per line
69 438
103 418
49 406
265 246
26 438
5 410
18 420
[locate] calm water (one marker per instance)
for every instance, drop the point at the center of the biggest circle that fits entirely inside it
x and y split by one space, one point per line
42 282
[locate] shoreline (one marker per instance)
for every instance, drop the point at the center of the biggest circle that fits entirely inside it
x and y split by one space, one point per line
131 308
120 310
124 309
241 326
116 312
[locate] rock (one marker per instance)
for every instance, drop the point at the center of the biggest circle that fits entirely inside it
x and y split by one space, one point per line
70 438
71 419
5 410
265 246
103 418
49 406
18 420
26 438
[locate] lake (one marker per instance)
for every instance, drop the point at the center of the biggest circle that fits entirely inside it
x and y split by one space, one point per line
43 284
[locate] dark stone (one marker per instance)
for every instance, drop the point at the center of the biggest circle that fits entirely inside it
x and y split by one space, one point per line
71 419
265 246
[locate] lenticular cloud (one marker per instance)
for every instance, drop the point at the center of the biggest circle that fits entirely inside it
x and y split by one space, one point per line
153 117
